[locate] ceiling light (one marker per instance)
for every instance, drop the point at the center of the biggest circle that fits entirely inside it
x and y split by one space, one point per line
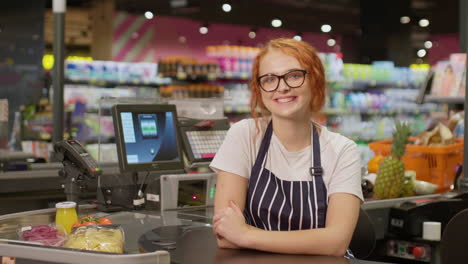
182 39
326 28
276 23
421 53
252 34
423 22
297 37
203 30
428 44
405 19
149 15
227 8
331 42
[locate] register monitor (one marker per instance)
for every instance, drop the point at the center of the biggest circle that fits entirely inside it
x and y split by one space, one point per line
147 137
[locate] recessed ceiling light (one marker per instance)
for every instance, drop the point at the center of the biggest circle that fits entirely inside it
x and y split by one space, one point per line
326 28
149 15
227 8
252 34
203 30
331 42
421 53
428 44
276 23
405 19
297 37
424 22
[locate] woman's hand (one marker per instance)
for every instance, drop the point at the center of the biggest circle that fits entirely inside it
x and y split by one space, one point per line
223 243
230 225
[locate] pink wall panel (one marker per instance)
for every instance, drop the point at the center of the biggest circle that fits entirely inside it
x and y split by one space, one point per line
168 30
443 46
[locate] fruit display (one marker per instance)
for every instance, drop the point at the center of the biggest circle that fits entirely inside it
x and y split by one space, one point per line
390 176
90 220
373 164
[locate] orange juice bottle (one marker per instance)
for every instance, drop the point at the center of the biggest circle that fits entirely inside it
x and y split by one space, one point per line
65 216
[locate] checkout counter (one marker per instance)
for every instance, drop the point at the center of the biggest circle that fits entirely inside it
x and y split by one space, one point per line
173 224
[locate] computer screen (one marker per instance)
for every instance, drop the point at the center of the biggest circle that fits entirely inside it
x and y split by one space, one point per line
147 137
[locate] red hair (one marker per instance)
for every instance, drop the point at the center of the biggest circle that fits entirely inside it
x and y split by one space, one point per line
307 57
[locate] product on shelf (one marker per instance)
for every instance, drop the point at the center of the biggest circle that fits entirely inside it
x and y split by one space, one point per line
237 98
333 64
184 68
389 100
233 59
385 71
112 71
198 90
449 79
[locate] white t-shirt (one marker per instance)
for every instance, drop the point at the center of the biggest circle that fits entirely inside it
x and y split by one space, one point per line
339 157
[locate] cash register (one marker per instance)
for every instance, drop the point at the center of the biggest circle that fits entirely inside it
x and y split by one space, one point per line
405 227
148 141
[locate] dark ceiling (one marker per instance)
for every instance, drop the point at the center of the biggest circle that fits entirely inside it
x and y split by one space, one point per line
369 25
346 16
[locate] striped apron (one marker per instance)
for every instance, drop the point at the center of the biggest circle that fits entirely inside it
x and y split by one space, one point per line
279 205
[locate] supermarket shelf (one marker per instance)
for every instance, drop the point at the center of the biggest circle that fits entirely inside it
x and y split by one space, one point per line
243 76
236 110
332 111
444 100
368 84
103 83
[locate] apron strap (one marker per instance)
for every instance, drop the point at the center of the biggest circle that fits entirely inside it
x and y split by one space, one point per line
263 149
316 169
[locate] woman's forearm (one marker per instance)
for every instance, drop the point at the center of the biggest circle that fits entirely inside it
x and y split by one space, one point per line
321 241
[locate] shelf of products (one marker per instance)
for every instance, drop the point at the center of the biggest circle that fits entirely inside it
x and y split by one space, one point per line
111 84
444 99
334 111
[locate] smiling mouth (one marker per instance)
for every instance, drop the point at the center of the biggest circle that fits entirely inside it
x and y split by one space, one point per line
286 99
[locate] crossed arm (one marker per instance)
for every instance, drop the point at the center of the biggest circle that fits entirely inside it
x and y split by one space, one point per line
232 231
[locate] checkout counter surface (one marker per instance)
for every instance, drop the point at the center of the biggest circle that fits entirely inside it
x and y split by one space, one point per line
196 246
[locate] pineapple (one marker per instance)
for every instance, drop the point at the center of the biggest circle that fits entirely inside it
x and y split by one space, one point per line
408 184
390 176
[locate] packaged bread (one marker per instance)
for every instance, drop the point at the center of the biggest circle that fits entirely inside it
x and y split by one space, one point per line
440 135
103 238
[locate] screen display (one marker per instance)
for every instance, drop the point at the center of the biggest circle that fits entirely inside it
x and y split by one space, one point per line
148 125
191 193
149 137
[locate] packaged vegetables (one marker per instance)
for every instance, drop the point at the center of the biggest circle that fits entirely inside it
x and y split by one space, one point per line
88 233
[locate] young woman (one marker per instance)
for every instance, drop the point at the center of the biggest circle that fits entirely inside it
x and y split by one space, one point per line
286 184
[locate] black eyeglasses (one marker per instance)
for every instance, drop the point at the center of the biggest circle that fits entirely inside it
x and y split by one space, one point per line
270 82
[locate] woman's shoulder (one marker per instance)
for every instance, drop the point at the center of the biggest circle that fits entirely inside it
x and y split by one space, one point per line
336 141
248 124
